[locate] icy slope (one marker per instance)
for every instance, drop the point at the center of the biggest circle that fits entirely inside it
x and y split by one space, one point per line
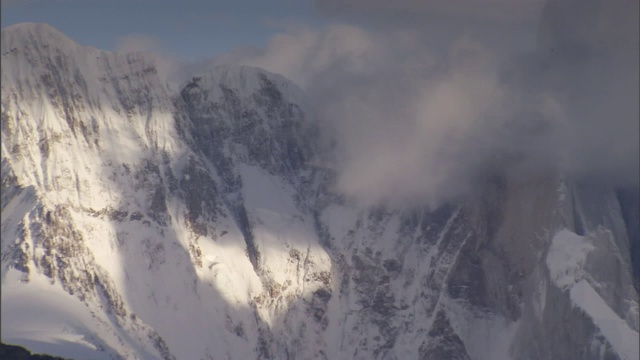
141 224
107 203
565 260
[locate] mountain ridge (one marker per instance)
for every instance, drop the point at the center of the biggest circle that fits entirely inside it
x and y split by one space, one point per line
192 224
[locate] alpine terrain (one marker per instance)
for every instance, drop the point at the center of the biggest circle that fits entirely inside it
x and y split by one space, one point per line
143 222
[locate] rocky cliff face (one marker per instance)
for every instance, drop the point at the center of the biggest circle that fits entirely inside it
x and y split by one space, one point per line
142 224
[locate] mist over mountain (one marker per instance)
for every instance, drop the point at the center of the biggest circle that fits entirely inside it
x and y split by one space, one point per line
339 194
414 120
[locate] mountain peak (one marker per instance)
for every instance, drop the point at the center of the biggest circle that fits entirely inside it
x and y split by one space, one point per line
245 81
127 209
33 34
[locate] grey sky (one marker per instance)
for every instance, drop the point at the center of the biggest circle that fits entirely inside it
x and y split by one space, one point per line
191 28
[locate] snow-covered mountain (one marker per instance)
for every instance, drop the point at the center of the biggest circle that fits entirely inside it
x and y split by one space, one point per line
139 223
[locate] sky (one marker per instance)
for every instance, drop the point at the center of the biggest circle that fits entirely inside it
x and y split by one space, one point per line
192 28
419 100
198 29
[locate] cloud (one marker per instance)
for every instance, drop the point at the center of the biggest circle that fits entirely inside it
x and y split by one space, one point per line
420 149
506 24
409 123
488 10
306 55
413 123
591 50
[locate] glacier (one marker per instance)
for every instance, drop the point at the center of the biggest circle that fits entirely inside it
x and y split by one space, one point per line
144 223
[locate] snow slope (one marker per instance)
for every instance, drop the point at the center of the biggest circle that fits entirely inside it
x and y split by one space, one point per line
138 223
566 258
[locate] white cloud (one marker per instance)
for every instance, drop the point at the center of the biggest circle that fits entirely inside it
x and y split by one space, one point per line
402 115
414 124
